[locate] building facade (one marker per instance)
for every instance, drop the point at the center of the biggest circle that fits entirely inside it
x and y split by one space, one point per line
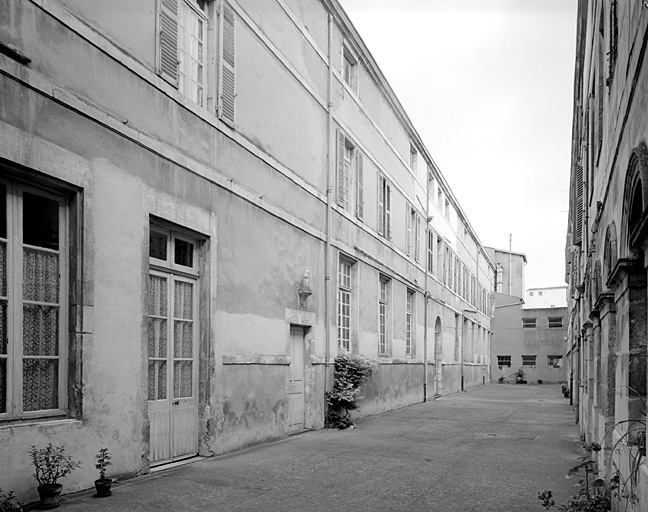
607 239
525 337
203 202
548 297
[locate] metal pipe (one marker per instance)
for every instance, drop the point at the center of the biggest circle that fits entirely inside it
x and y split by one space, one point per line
425 289
329 209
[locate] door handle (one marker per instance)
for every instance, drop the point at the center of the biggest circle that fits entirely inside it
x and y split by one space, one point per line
176 402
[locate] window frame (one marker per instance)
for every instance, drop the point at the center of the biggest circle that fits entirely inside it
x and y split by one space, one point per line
345 289
349 67
551 361
502 361
384 316
384 207
527 359
555 322
529 323
410 324
14 357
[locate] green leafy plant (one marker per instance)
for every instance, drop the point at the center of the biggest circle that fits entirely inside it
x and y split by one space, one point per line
351 372
595 493
103 461
518 374
9 503
51 463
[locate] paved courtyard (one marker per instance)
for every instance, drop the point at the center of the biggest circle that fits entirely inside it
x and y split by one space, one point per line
490 449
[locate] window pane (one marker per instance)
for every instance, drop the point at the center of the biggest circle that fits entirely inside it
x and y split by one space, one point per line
3 385
182 379
40 221
40 330
158 245
3 269
3 211
40 384
40 276
3 327
183 339
183 253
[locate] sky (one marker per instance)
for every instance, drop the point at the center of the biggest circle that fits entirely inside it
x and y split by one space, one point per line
488 86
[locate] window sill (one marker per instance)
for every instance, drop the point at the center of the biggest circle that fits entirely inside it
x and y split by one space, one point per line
40 422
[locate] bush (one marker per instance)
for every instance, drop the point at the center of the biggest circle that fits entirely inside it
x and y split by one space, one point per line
351 372
9 503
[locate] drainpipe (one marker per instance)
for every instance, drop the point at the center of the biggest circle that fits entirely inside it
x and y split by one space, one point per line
510 265
329 211
425 289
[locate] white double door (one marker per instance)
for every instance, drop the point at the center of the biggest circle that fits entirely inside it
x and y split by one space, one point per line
172 366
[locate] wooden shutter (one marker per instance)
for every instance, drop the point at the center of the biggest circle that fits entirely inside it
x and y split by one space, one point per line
341 171
227 65
168 41
388 227
578 205
381 205
408 229
359 185
417 247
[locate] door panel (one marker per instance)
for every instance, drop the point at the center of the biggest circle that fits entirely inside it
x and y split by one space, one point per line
172 378
296 384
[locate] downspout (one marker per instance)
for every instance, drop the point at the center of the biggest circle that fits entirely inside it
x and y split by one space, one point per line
425 289
510 265
329 210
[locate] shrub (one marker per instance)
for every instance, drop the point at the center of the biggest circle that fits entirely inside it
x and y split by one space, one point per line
8 502
51 463
351 372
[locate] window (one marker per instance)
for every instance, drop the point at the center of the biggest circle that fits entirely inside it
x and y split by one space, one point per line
540 294
447 209
504 361
413 158
530 294
33 305
182 54
383 316
410 219
344 304
529 323
529 361
554 361
350 68
417 239
172 315
384 207
409 323
350 175
431 240
555 322
440 198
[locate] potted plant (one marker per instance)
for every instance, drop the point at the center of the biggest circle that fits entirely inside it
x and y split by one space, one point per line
103 484
519 376
9 503
51 463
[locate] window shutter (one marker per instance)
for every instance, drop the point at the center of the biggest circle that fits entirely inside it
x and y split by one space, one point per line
417 249
226 65
341 178
381 205
408 229
388 226
168 41
359 185
578 205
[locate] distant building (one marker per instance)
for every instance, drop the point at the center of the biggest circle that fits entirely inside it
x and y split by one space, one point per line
551 297
528 338
607 242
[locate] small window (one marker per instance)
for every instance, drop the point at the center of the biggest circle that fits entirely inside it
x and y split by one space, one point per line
350 69
555 322
554 361
529 323
413 158
504 361
409 323
447 209
170 250
530 294
529 361
540 294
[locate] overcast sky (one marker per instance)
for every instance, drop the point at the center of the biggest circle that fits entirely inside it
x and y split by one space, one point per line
488 85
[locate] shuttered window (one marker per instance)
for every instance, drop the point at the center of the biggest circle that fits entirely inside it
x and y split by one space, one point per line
227 64
168 40
350 176
417 239
578 204
384 207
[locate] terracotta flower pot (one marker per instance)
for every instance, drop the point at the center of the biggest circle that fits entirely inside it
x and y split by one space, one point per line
103 487
50 495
